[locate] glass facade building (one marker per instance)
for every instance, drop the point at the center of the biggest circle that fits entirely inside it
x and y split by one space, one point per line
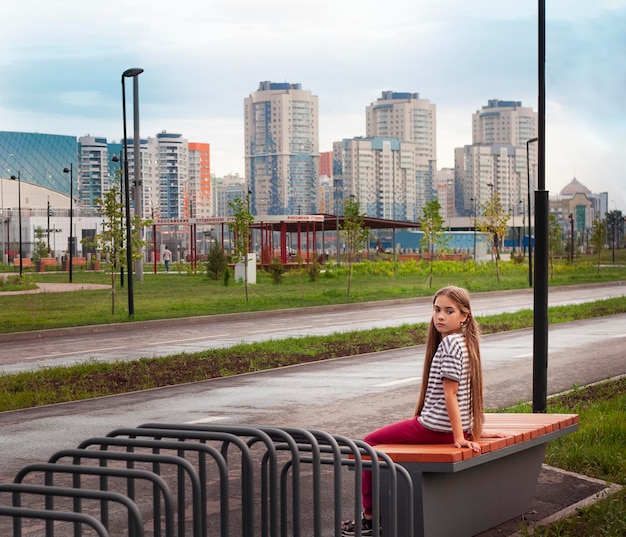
40 159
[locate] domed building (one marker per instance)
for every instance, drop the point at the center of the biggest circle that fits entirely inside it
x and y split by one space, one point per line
576 204
574 187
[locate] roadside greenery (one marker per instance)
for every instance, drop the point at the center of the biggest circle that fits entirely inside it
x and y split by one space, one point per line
595 450
434 238
242 229
188 293
494 224
353 232
94 379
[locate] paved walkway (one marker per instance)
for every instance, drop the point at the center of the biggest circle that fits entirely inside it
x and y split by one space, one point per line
56 287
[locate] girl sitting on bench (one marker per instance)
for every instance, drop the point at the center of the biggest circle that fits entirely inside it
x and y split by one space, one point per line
450 406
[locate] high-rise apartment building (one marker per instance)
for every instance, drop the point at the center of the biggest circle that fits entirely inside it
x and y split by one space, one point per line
94 171
199 185
496 160
165 176
282 149
225 190
326 163
409 118
379 173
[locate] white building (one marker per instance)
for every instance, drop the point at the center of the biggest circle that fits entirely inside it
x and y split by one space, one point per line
409 119
380 174
497 159
282 149
94 170
165 176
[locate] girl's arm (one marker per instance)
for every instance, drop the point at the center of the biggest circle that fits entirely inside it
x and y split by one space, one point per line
450 389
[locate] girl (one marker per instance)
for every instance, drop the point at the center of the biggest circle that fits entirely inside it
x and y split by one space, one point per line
450 406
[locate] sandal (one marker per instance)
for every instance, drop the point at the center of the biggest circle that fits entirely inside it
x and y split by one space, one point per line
348 528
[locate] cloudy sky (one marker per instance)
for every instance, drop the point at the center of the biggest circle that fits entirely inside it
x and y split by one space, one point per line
61 63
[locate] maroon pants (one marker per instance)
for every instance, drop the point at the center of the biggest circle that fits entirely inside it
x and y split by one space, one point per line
409 431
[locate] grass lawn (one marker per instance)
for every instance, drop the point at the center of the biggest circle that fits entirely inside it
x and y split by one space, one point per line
596 450
188 294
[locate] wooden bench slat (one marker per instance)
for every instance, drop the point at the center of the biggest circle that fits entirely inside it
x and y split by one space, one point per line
518 428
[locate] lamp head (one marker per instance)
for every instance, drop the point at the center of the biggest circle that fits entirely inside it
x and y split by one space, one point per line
115 158
13 177
66 170
133 71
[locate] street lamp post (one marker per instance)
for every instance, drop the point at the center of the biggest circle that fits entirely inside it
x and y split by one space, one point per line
129 73
475 215
70 170
530 242
137 197
520 210
571 238
48 229
19 214
495 235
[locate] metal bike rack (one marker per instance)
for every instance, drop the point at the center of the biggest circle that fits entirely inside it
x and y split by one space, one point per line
287 477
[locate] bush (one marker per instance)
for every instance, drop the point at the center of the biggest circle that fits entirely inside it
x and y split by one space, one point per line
314 271
216 263
277 270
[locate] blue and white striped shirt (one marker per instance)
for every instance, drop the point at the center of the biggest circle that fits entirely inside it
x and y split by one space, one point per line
450 361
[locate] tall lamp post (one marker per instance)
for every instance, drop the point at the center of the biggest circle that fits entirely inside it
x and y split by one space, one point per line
571 237
19 213
530 242
137 192
475 215
520 210
70 170
130 73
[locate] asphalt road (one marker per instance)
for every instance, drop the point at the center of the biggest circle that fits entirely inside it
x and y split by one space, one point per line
29 350
348 396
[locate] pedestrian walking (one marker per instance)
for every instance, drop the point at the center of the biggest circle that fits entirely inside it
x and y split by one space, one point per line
167 257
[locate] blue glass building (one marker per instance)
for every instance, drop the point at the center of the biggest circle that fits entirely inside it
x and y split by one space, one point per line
40 159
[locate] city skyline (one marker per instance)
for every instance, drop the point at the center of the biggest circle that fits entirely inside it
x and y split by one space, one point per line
62 64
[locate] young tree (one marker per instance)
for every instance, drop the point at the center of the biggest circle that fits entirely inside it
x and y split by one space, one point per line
434 238
41 248
598 237
111 241
555 241
494 224
242 230
353 232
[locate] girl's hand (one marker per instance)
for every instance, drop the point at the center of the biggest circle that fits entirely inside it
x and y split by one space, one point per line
474 446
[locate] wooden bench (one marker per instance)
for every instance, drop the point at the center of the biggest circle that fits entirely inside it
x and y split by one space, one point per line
46 262
461 493
26 262
76 262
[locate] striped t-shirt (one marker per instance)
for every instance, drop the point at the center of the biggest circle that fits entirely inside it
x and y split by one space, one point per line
450 361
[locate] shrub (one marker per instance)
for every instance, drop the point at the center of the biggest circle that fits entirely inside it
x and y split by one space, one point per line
277 270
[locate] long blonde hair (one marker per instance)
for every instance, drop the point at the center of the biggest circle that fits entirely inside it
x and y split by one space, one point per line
471 331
